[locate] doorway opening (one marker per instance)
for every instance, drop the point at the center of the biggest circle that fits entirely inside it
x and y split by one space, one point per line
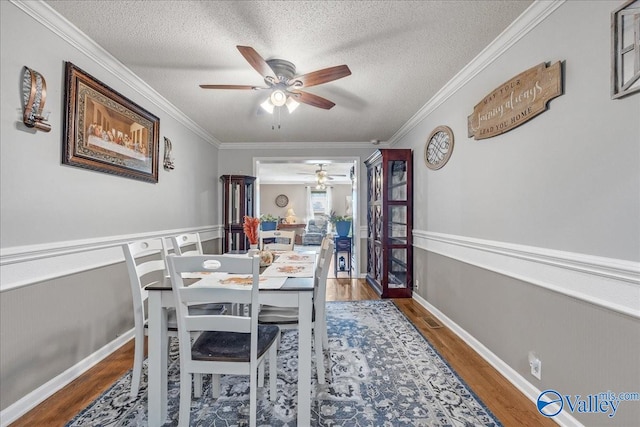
301 188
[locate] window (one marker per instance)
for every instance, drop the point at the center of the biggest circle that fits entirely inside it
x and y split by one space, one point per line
319 202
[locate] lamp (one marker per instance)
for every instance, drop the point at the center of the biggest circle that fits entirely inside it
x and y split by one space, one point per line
291 216
279 98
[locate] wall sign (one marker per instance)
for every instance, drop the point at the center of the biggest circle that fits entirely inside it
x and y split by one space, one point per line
516 101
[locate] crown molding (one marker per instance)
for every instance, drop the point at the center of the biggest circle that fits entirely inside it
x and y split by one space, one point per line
298 145
49 18
526 22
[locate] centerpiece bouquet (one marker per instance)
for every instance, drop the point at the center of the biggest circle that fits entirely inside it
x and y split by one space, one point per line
250 228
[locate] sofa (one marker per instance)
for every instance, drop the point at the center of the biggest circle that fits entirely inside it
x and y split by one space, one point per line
315 231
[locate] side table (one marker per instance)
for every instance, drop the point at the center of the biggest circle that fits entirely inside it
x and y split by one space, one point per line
342 255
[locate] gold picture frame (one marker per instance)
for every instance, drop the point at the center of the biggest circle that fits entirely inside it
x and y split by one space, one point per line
106 132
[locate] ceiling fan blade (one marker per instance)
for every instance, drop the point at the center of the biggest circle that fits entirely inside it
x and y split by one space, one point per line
311 99
323 76
257 62
241 87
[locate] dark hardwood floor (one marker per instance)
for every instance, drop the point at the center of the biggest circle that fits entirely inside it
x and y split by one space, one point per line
503 399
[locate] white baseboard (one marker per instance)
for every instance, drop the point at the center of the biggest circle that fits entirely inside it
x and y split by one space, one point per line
528 389
39 395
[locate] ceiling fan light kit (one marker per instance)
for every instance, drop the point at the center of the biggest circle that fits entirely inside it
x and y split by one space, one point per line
280 77
278 98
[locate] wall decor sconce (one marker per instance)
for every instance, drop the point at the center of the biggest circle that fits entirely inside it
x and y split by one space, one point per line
34 95
168 160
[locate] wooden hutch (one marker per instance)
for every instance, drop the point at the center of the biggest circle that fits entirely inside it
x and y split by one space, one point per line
238 195
390 222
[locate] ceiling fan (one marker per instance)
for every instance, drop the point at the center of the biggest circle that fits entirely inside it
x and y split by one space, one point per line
321 175
280 77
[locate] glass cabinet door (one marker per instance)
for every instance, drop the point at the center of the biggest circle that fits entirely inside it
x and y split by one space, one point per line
397 225
398 268
397 181
238 201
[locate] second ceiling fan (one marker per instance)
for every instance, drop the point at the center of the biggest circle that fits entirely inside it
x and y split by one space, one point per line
280 77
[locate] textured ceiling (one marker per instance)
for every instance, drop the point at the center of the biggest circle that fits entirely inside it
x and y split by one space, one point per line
400 54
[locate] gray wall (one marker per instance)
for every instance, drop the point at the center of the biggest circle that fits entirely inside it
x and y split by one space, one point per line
64 293
566 180
526 240
48 327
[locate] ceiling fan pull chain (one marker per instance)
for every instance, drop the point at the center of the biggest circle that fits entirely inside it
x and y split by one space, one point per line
273 125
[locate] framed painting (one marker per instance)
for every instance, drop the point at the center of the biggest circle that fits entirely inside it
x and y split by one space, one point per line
106 132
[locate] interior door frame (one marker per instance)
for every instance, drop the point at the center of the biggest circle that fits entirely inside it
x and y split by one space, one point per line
355 192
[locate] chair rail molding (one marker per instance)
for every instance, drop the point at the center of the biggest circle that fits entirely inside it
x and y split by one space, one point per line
26 265
607 282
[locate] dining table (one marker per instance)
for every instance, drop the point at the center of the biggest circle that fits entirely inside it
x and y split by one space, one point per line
295 292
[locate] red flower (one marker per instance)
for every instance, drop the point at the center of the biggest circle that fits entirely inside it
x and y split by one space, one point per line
250 227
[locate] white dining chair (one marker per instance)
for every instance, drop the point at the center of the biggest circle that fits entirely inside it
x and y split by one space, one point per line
146 264
187 244
277 240
145 260
287 317
226 344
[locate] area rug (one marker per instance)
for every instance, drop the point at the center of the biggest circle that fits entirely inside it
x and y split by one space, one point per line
381 370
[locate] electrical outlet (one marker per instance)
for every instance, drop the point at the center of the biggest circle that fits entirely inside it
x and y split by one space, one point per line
536 365
417 284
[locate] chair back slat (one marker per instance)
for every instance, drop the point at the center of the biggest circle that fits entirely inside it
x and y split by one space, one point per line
226 323
152 266
195 294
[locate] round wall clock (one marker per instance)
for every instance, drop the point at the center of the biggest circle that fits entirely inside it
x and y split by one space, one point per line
282 201
438 148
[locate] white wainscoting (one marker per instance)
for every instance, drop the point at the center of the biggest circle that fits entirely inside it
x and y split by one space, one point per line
607 282
26 265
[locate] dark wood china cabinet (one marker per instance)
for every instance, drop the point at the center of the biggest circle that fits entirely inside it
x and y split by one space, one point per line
390 222
238 200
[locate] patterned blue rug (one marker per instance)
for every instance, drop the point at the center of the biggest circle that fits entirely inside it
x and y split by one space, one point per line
383 373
